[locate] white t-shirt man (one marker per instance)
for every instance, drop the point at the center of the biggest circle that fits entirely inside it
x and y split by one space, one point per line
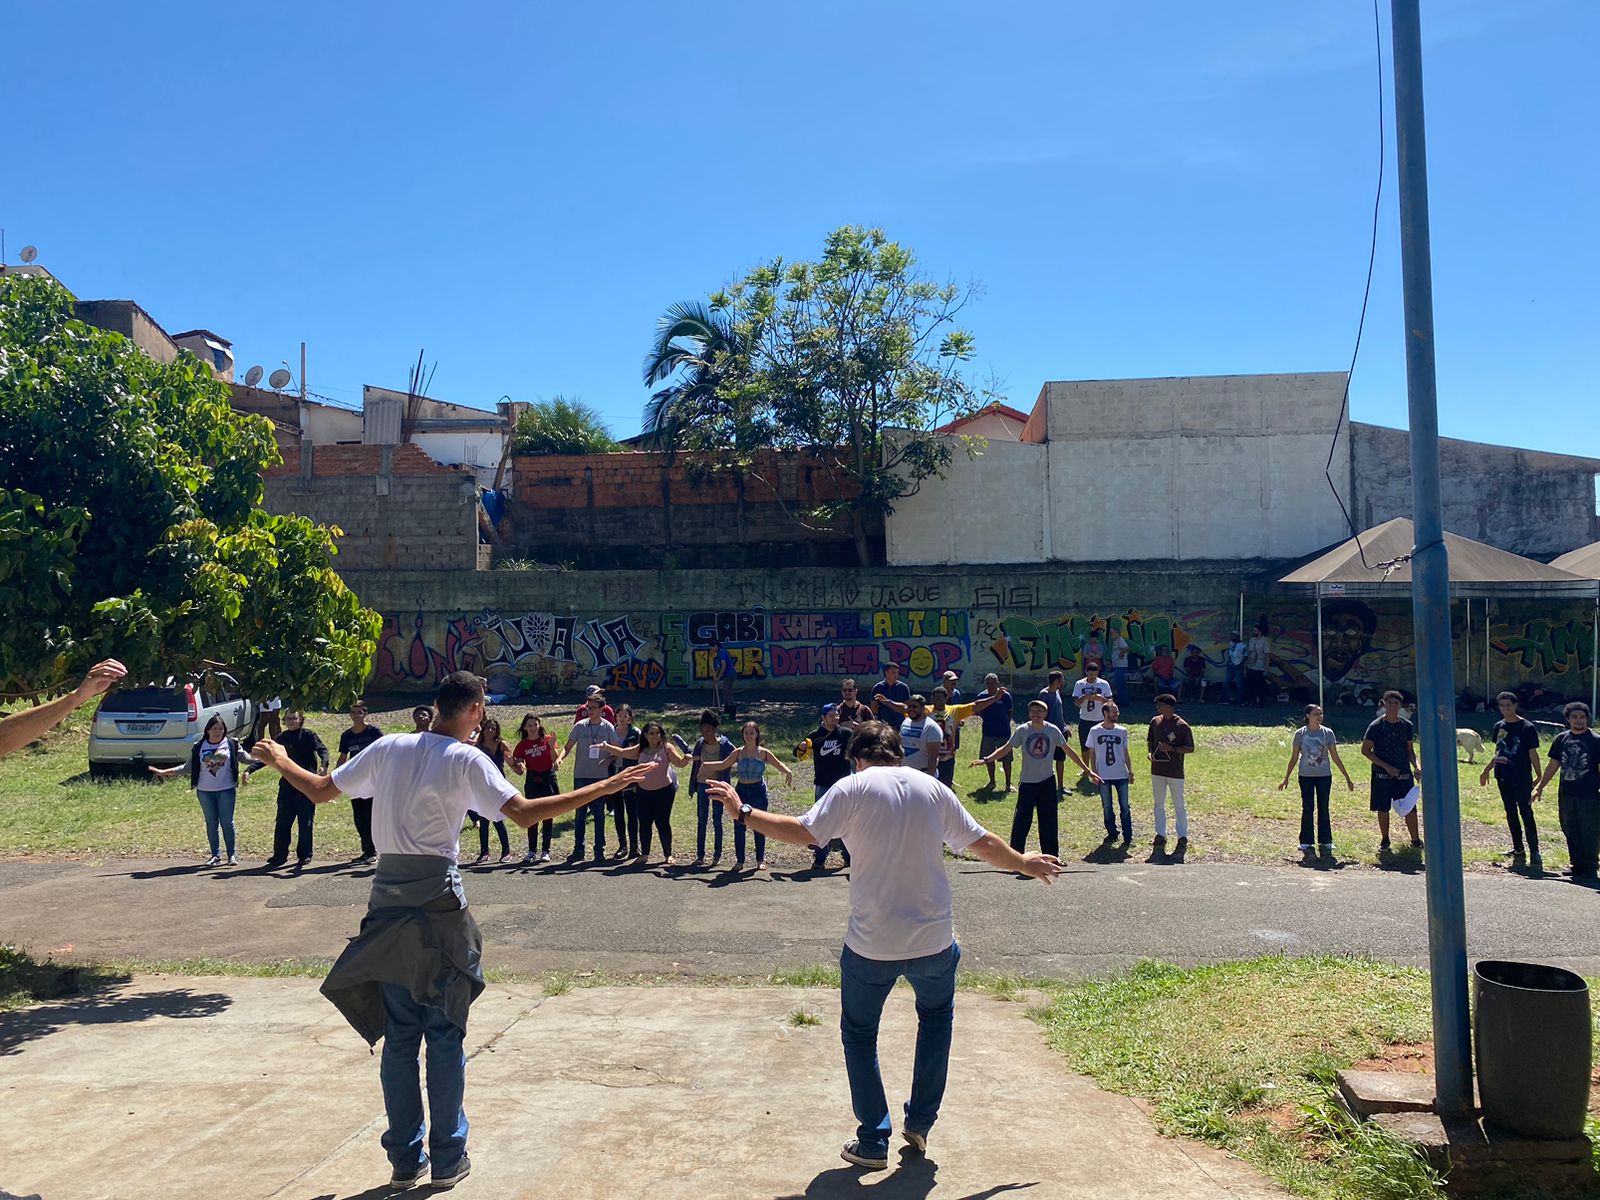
1097 692
896 821
920 742
422 786
1109 745
1119 653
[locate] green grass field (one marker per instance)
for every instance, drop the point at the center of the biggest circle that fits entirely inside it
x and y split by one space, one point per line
49 806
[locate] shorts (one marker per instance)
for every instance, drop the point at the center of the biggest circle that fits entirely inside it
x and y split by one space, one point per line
1386 791
1061 755
1083 736
990 744
945 772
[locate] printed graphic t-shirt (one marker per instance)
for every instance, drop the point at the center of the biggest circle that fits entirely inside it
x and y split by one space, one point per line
1391 741
1110 750
1038 748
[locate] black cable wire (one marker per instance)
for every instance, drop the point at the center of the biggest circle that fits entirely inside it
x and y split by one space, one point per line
1366 296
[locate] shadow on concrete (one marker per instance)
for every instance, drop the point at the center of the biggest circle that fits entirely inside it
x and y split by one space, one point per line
108 1006
1313 861
914 1179
375 1193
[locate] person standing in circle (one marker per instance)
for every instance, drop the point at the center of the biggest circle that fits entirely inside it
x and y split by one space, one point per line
1316 751
295 809
1039 740
1169 741
654 796
491 743
1390 745
218 766
709 747
1515 766
536 754
749 764
830 758
1108 747
352 742
1575 754
422 718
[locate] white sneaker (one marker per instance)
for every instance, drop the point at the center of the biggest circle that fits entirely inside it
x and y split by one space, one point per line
233 860
544 856
214 861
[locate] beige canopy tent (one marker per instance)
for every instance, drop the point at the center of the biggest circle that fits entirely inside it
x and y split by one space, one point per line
1584 561
1378 564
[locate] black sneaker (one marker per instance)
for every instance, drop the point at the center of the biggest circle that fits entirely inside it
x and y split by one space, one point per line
872 1157
274 863
401 1181
576 855
444 1183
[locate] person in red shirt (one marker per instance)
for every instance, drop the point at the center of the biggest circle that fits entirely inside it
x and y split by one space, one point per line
1164 669
1194 674
606 710
537 755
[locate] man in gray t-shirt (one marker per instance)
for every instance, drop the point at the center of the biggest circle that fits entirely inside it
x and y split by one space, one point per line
897 822
590 763
1040 741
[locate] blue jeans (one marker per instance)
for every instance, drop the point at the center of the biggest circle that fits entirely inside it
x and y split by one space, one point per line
755 795
864 985
218 809
706 807
1120 786
407 1025
595 809
1119 683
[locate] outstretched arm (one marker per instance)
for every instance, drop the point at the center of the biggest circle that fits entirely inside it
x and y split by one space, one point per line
22 728
1043 867
318 789
769 824
527 812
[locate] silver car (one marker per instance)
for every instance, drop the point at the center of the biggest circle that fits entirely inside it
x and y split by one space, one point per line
155 726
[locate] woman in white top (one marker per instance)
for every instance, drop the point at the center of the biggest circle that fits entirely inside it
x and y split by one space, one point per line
1316 749
217 768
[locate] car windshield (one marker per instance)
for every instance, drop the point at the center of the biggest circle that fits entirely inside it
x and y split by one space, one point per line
146 700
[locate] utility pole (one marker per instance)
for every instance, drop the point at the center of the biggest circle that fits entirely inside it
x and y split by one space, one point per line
1430 592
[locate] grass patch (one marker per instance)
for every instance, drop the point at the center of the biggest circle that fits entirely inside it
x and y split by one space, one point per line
1242 1056
800 1018
287 968
50 806
24 980
817 975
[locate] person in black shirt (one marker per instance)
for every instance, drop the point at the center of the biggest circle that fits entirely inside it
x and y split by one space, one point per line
352 742
1575 752
1390 745
890 693
306 750
852 711
1515 764
830 762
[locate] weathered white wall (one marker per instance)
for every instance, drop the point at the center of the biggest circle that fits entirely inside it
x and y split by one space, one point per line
994 425
987 509
1211 467
326 425
1198 468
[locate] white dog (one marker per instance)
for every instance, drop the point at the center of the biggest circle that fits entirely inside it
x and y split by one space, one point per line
1470 741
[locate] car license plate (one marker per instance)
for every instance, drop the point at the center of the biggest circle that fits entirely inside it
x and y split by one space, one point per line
141 726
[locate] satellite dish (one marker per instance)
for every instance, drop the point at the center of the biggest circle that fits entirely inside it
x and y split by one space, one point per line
29 253
252 376
278 378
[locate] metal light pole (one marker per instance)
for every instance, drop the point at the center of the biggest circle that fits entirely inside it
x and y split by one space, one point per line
1430 592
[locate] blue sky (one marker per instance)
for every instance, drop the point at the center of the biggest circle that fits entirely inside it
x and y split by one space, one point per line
1163 188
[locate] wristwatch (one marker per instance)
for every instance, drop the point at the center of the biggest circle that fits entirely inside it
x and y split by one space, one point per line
744 811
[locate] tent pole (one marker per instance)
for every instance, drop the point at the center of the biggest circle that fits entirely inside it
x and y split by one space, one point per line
1466 645
1486 707
1594 656
1320 702
1430 589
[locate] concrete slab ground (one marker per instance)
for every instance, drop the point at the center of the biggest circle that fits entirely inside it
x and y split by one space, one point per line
170 1088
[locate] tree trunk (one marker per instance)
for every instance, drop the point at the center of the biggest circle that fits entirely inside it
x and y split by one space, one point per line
858 530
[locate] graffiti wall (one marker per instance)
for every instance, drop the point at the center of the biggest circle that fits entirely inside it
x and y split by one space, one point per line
1365 646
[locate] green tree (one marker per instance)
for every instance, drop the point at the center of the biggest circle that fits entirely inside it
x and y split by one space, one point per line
562 426
131 523
857 358
701 357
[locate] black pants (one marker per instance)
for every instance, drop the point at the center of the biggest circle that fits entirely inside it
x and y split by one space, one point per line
819 858
541 783
633 807
1255 687
361 811
1517 796
655 812
1580 822
483 835
619 816
293 809
1315 791
1031 796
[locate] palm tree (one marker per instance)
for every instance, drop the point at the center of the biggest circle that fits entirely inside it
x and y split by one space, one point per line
696 347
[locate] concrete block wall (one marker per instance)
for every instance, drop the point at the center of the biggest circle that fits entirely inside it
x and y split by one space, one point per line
395 506
642 508
1525 501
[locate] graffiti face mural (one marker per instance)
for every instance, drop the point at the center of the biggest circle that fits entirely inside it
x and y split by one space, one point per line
1347 629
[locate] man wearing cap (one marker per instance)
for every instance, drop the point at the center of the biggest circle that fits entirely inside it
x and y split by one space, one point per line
1169 741
830 762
